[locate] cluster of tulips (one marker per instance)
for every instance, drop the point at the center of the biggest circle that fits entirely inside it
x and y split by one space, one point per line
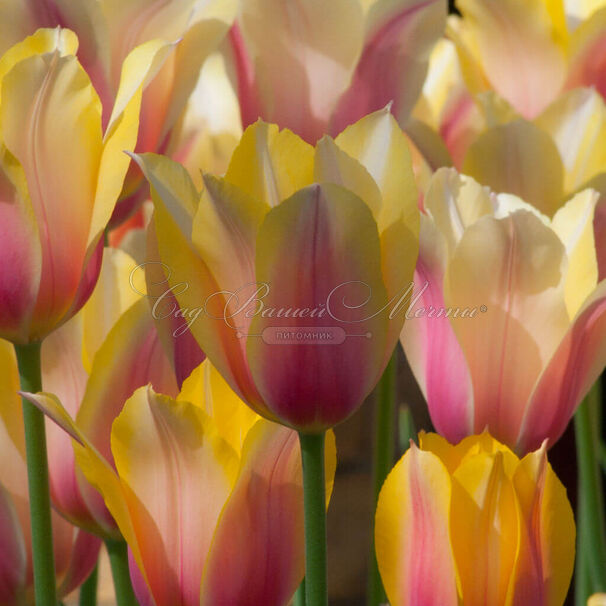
218 221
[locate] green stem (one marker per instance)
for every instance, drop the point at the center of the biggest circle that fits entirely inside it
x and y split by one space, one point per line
406 427
88 589
593 537
383 461
314 500
28 358
582 579
118 560
299 599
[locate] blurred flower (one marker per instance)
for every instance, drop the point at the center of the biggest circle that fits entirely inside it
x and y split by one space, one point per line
472 524
76 551
597 599
59 177
93 364
109 30
529 52
509 318
315 67
267 238
192 478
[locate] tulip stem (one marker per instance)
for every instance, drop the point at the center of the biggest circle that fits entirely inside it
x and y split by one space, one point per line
88 589
314 500
593 531
118 561
299 599
30 376
383 461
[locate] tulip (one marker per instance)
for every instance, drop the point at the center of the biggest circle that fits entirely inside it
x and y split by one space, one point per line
597 599
108 32
59 177
93 365
75 551
192 478
530 52
508 313
472 524
315 68
257 255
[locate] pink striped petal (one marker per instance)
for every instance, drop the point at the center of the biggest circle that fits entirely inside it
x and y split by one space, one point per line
574 367
393 65
266 565
319 249
431 346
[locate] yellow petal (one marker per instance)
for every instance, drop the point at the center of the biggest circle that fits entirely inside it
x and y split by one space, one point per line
206 388
114 293
518 158
270 164
177 471
573 223
485 516
412 533
577 124
547 549
138 69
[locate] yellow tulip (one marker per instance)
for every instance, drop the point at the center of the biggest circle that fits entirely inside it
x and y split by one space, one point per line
473 525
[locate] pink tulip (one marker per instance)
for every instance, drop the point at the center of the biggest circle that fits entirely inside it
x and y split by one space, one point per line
315 67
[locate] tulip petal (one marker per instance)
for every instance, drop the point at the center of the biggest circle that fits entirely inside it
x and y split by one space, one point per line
574 225
546 554
206 388
138 69
266 566
568 376
20 250
429 341
177 473
270 164
189 278
412 533
319 250
303 56
517 277
393 64
13 555
83 558
520 46
61 121
587 53
518 158
484 513
577 124
64 375
115 292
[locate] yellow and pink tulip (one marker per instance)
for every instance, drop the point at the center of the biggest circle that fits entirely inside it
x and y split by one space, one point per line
75 550
208 495
315 68
507 330
60 176
473 525
93 364
293 227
